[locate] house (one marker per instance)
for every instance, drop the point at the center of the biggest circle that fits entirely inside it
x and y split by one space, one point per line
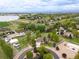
14 42
16 34
68 34
7 39
10 38
21 34
65 33
61 30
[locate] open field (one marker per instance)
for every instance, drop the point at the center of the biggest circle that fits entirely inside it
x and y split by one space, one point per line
4 24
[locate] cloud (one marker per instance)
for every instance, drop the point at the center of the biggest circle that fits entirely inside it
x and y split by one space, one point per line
17 3
39 5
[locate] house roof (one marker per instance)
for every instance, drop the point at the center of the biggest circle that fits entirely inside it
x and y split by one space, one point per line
13 41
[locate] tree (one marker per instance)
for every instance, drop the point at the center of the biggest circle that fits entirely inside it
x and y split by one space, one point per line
64 55
57 48
29 55
47 56
67 23
38 34
22 17
31 26
55 37
42 50
40 27
56 25
77 56
28 36
45 40
33 42
22 26
49 36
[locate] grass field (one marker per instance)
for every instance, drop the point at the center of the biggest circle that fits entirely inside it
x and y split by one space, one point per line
4 24
73 40
2 54
22 41
6 51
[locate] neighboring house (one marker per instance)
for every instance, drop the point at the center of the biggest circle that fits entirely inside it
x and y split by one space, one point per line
68 34
61 30
57 18
9 38
14 42
16 34
65 33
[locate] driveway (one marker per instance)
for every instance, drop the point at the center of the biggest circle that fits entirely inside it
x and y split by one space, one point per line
21 54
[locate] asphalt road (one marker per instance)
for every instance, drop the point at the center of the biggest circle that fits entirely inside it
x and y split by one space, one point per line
54 54
21 54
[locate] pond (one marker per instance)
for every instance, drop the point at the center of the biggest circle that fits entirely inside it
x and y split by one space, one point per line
8 18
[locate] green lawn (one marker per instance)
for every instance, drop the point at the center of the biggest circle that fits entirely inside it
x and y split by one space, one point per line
4 24
5 50
2 54
22 41
73 40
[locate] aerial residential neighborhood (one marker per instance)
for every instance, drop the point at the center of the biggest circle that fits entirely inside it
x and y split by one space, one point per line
40 36
39 29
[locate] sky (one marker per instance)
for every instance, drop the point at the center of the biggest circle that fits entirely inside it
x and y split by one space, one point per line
39 6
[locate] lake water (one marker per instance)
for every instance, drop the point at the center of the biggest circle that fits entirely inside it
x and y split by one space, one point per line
8 18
